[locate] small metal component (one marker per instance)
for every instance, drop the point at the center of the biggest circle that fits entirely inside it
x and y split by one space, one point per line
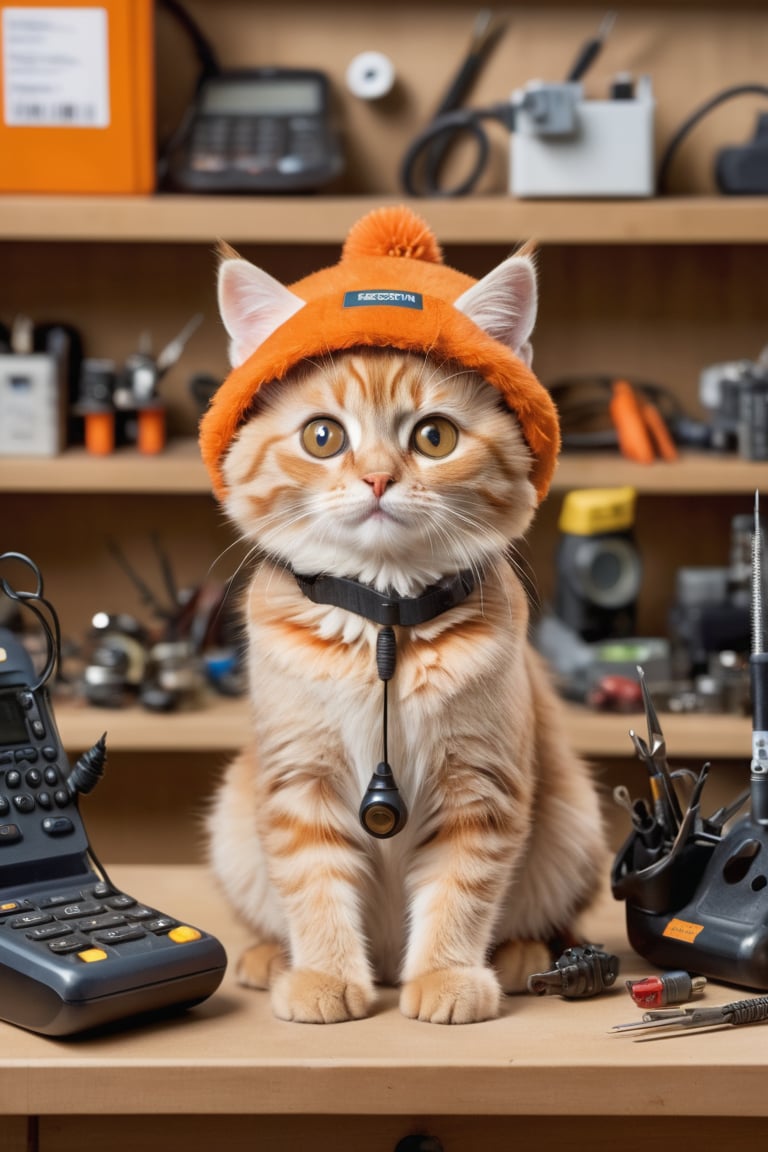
657 758
668 988
580 972
758 669
738 1012
173 350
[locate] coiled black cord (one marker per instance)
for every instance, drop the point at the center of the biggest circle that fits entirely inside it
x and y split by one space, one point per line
41 608
424 158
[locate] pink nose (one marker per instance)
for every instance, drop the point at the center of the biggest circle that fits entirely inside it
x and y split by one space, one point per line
379 481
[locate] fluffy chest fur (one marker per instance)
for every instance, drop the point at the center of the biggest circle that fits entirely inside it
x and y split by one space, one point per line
453 682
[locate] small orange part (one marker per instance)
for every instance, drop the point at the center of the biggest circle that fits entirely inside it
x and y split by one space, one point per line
151 434
100 433
627 417
654 422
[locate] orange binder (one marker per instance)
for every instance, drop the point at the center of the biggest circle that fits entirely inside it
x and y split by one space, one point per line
77 96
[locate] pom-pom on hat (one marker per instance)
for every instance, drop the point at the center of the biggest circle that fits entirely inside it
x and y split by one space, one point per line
390 289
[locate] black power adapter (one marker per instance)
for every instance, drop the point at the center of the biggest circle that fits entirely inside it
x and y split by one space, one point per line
743 170
740 170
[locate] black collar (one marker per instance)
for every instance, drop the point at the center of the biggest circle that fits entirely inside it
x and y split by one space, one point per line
387 608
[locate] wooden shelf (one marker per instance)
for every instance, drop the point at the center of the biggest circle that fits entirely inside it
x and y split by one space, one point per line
544 1057
499 220
179 469
223 726
694 736
694 473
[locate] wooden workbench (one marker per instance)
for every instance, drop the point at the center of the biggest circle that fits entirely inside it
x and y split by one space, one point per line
227 1075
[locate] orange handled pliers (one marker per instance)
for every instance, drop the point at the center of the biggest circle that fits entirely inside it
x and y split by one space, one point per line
641 429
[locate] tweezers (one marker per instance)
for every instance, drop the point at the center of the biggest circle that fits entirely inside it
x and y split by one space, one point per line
751 1011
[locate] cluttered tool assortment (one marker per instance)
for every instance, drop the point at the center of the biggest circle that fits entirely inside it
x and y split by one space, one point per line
279 130
679 873
694 886
696 660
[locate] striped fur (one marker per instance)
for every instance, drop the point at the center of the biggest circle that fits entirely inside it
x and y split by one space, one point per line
504 840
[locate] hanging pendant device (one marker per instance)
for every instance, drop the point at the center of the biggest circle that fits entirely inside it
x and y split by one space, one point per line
383 811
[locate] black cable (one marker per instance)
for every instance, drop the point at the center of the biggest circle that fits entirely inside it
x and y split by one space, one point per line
386 657
423 160
485 35
696 116
42 609
419 177
206 54
209 66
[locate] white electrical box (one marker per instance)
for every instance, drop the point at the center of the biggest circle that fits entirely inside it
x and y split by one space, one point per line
32 406
608 151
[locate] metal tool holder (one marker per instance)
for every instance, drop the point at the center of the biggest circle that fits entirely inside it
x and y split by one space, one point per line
696 888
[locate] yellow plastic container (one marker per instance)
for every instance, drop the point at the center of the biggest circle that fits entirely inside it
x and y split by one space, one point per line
592 511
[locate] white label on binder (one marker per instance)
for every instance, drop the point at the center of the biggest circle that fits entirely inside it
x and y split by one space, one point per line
55 67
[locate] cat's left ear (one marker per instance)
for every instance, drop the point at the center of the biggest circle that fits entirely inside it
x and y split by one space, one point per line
252 304
504 304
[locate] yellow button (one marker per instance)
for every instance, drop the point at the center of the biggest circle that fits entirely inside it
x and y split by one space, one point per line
10 906
183 934
90 955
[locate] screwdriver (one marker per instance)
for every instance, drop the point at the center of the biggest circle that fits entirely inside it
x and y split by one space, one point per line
751 1011
590 49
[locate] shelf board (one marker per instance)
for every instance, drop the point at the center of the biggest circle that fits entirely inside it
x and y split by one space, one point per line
230 1061
500 220
179 469
223 727
694 473
701 737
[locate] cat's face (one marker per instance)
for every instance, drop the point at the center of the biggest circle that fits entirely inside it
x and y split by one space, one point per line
383 466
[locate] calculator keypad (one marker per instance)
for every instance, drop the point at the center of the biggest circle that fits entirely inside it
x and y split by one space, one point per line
75 922
261 144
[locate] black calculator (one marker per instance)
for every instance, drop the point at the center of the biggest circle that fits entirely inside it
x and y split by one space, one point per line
259 130
76 952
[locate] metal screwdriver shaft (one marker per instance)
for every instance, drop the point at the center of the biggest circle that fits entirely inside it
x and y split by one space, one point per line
758 667
738 1012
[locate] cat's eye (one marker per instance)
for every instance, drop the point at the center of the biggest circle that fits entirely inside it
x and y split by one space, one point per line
435 437
323 437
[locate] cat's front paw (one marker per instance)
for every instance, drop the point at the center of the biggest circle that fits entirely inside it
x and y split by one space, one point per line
452 996
260 964
318 998
515 960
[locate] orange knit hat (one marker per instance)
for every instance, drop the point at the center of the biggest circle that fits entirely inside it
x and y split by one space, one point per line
390 289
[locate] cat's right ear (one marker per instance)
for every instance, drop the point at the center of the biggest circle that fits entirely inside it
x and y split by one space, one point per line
252 304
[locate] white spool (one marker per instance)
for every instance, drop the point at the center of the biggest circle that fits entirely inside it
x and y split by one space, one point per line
370 75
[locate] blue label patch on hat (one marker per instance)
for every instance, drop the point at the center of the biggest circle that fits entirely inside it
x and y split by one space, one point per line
389 298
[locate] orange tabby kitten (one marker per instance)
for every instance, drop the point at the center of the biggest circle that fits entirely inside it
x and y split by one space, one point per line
395 470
